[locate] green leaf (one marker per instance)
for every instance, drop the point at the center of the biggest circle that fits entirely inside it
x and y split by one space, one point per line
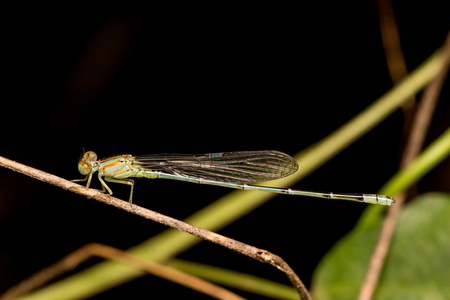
416 265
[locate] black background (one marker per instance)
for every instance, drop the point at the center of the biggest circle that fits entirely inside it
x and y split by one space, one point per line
195 77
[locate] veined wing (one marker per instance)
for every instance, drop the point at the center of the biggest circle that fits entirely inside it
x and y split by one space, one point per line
245 167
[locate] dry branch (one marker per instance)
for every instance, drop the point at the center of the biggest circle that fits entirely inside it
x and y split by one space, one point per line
253 252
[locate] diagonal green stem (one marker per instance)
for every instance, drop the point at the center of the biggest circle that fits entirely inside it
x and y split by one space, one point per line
427 160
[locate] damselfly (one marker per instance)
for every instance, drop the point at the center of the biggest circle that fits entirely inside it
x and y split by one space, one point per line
238 170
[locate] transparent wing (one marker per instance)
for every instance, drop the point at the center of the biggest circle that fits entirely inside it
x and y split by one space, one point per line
237 167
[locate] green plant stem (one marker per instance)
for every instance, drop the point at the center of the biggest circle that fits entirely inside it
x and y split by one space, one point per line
246 282
428 159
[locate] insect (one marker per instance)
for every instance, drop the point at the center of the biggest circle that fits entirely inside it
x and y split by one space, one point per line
238 170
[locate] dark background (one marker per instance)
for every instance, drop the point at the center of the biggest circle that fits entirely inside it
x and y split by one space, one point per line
195 77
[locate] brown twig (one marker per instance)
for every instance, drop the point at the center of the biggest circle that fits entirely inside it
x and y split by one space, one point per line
414 144
395 60
84 253
253 252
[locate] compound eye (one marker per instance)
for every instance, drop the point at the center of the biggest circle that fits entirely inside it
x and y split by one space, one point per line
86 162
89 156
84 167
